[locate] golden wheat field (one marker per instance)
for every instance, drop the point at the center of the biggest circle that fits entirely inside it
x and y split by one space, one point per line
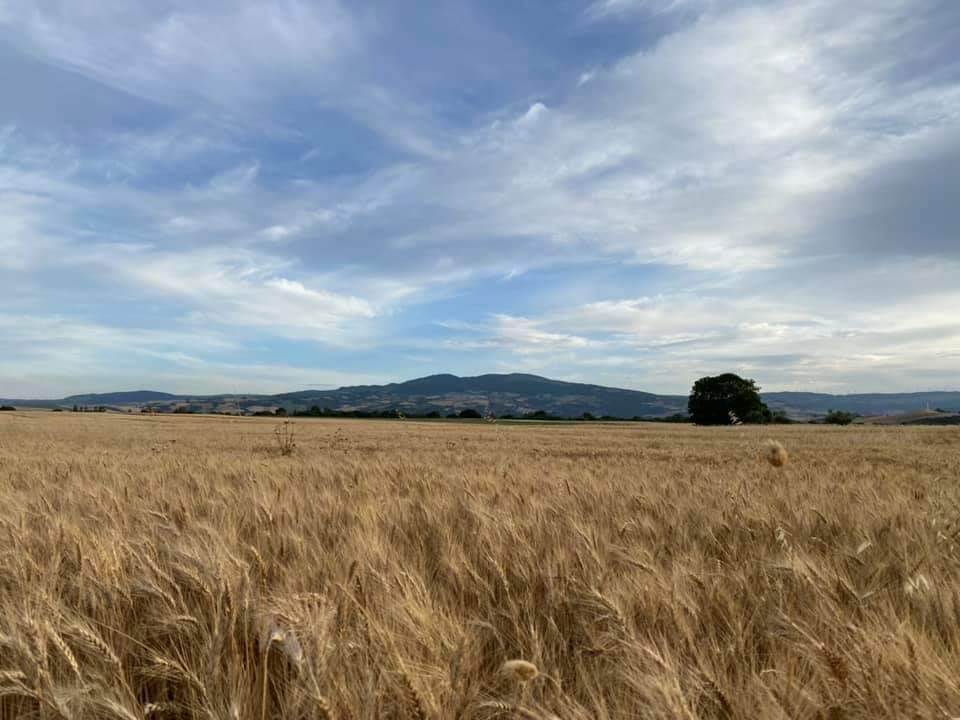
183 567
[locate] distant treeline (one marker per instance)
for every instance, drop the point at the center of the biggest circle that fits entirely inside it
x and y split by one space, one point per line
777 417
396 414
466 414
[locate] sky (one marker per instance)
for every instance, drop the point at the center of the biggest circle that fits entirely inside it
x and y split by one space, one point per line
207 196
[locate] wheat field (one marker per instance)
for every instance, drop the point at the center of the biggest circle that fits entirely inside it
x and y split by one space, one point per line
184 567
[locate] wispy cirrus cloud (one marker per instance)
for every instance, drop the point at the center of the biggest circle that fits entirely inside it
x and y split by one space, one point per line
601 9
174 52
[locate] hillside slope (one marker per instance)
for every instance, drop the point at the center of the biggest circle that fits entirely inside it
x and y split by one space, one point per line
513 394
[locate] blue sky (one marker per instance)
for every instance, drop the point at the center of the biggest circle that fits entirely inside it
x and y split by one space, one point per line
230 195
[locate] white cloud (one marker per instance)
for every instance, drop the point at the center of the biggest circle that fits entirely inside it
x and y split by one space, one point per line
719 148
279 232
175 52
530 117
586 77
46 354
603 8
245 290
817 344
20 246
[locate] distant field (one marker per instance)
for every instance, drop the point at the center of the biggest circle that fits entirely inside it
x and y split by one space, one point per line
182 567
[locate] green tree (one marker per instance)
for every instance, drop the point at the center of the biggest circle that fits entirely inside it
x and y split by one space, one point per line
839 417
780 417
726 399
470 413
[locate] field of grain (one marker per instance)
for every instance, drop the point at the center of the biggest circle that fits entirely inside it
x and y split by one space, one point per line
182 567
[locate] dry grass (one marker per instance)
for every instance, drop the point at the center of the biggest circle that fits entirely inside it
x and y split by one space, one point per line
182 567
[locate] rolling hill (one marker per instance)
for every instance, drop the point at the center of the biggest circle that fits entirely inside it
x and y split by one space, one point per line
133 397
800 404
513 394
501 394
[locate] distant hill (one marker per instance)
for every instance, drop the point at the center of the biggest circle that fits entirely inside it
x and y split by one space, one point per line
813 404
501 394
510 394
133 397
922 417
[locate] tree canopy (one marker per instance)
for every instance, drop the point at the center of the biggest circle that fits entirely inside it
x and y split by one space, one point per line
726 399
839 417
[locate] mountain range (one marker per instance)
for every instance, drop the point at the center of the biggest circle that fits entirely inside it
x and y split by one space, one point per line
500 394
